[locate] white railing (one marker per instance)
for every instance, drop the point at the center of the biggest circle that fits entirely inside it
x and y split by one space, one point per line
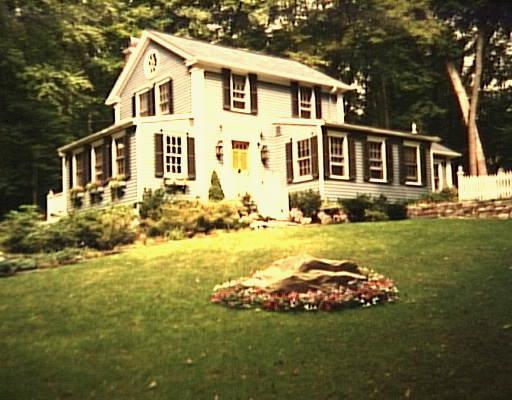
55 206
487 187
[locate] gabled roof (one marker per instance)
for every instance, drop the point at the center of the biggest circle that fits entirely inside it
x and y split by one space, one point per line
199 52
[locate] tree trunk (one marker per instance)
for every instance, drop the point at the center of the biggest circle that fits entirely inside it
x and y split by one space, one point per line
463 100
473 107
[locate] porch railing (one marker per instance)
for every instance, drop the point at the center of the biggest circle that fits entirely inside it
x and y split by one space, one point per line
498 186
55 206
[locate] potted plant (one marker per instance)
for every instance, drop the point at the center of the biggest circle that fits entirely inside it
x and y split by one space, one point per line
117 185
76 195
95 190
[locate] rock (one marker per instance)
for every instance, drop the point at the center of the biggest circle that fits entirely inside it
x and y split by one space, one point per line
324 218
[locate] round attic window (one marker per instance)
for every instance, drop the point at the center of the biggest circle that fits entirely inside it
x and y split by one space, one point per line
151 63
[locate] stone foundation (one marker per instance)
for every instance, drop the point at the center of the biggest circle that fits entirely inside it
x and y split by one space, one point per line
501 209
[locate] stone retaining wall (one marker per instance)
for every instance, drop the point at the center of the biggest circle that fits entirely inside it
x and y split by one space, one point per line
501 209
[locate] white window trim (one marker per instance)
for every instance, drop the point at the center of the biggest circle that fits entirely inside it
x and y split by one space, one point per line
184 156
346 155
94 145
383 152
137 100
295 160
157 96
312 103
113 152
247 92
75 170
418 182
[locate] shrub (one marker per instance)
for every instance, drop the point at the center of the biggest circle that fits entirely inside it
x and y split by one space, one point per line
309 202
24 232
356 208
215 193
448 194
18 232
366 208
151 206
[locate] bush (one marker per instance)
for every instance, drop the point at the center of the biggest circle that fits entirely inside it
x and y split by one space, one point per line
309 202
23 231
18 232
448 194
366 208
151 206
215 193
186 218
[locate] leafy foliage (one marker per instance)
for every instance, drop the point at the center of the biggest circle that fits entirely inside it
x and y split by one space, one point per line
366 208
307 201
215 192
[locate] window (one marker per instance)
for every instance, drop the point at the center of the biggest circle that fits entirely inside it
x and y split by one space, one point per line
150 63
144 104
239 96
411 164
376 157
173 155
338 153
120 156
98 163
165 100
79 174
305 94
240 155
304 157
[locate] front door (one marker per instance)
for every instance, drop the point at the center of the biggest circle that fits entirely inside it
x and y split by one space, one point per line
241 167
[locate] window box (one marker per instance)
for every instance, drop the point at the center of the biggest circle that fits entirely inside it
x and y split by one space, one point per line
175 186
76 195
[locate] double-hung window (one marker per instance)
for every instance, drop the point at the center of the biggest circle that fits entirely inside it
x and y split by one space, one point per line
79 170
411 163
144 103
377 160
304 158
120 155
305 102
239 92
98 163
173 155
338 156
165 98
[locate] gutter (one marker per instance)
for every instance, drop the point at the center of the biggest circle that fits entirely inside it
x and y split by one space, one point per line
380 131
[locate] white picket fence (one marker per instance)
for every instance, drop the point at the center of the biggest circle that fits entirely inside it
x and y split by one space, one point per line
488 187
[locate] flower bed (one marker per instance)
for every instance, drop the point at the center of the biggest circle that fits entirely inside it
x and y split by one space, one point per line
375 289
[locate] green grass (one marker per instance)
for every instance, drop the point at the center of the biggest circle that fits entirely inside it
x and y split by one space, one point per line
109 327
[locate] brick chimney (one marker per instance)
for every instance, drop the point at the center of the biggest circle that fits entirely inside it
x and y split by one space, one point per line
130 49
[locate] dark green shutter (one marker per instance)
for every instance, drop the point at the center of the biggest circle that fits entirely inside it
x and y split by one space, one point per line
314 156
226 88
424 149
159 155
352 158
191 158
86 167
126 159
107 159
389 160
69 160
171 97
289 162
401 163
295 99
318 101
134 106
327 155
253 87
151 102
366 158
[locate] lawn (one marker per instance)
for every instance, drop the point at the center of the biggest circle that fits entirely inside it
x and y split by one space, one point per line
139 325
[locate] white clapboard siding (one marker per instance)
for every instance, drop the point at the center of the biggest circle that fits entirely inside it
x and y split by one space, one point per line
498 186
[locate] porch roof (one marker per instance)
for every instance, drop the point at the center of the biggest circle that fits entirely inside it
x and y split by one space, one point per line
97 135
438 148
380 131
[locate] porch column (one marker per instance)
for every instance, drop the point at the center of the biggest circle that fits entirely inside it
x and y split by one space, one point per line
449 174
64 175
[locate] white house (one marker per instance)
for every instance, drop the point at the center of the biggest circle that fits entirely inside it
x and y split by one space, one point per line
268 126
